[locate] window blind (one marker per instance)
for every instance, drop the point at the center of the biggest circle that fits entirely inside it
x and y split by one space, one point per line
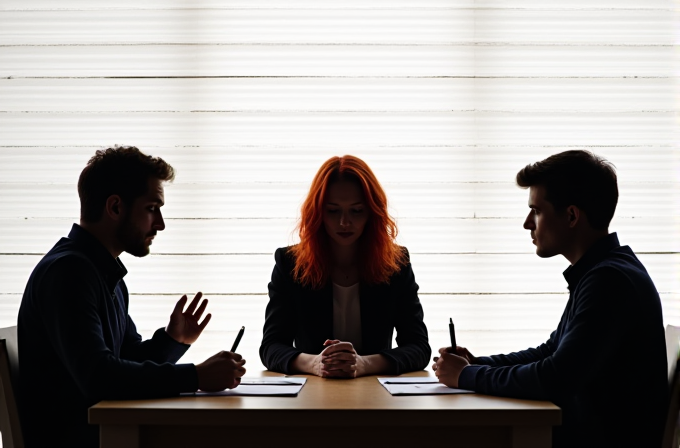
446 100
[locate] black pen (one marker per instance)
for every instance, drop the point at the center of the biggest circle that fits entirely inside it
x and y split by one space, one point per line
238 339
452 333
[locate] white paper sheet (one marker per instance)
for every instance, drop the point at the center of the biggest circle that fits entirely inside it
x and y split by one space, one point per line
418 386
268 386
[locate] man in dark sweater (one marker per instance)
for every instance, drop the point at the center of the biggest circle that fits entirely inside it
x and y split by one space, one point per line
605 364
77 343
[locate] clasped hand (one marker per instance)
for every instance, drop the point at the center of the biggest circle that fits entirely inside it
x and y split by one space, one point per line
184 326
339 360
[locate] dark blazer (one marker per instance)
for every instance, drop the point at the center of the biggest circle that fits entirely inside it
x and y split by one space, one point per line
299 319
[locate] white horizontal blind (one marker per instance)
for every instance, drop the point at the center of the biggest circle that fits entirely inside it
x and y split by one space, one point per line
446 100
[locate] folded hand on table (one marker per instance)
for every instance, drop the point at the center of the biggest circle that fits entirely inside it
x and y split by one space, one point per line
339 360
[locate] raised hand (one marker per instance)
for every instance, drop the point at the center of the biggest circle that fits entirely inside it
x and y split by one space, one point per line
184 326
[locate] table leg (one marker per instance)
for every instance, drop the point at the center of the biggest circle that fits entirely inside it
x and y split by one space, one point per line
116 436
531 436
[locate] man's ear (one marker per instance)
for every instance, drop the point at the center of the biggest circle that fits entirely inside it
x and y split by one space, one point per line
573 215
114 207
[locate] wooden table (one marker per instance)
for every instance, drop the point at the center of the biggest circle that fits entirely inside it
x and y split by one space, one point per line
327 413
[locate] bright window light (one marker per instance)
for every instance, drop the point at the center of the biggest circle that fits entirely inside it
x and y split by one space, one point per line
446 100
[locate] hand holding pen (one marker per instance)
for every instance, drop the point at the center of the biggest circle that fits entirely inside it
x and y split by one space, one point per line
223 370
449 364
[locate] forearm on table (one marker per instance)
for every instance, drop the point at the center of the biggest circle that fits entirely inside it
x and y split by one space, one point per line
303 363
373 365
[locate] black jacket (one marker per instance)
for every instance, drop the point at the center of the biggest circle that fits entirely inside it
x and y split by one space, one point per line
299 319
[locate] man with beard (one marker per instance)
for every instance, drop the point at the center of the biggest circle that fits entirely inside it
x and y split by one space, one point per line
77 343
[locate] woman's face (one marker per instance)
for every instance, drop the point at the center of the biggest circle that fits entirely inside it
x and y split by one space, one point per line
345 214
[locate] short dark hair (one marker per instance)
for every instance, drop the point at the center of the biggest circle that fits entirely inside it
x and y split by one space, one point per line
122 170
578 178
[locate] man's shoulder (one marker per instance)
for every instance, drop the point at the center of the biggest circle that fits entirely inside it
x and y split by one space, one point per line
58 272
620 270
65 252
64 260
622 260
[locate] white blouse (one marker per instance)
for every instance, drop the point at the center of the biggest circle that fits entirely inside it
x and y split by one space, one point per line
347 314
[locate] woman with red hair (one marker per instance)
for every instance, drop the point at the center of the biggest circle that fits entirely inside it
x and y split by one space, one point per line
337 296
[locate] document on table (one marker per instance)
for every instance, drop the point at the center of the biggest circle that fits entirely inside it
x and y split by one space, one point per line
264 387
418 386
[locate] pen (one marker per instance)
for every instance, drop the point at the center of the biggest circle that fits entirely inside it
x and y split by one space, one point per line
452 333
238 339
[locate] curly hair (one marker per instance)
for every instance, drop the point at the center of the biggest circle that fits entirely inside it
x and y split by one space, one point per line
379 255
124 171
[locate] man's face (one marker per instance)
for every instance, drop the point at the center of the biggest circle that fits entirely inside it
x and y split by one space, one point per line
549 228
142 220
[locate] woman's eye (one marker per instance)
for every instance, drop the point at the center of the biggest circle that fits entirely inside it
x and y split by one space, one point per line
357 210
332 210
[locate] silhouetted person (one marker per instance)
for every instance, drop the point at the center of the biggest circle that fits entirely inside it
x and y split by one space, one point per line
77 343
336 298
605 364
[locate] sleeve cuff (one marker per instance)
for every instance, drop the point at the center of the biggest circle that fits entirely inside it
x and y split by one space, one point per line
187 378
168 348
289 357
163 336
393 362
467 378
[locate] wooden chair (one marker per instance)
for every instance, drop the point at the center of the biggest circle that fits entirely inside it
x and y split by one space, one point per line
672 348
671 436
9 379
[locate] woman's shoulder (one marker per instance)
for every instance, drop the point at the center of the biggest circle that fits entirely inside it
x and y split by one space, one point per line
405 260
404 250
285 251
405 270
285 256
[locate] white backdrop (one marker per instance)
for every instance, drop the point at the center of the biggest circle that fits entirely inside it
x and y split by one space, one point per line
446 100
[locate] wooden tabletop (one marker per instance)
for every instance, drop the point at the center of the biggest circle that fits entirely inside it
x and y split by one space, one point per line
324 400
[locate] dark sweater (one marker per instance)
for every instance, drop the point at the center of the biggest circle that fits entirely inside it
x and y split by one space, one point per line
299 319
78 345
605 365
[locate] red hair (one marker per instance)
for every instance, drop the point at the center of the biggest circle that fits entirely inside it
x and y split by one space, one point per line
379 257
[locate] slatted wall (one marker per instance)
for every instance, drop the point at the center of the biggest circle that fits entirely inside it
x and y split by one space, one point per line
446 100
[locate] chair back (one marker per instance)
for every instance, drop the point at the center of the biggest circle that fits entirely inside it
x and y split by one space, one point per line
10 426
671 435
672 348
